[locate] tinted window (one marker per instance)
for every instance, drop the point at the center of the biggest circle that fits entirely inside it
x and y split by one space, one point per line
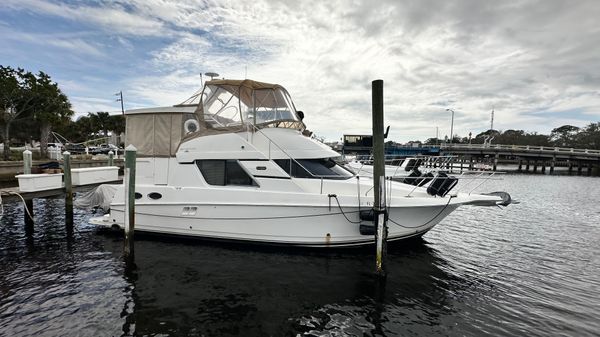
313 168
224 172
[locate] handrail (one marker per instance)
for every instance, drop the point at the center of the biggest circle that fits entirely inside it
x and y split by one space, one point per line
294 160
519 147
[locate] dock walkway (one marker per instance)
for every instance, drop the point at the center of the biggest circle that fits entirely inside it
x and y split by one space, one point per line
11 194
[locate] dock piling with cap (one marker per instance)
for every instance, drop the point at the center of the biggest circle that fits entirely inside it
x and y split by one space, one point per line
379 206
68 188
129 184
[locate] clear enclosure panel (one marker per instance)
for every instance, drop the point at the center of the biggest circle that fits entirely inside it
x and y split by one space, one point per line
221 106
229 105
270 105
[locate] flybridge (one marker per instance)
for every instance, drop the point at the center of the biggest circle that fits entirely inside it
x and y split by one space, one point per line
223 106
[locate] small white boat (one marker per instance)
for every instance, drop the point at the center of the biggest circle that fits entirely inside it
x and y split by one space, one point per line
235 163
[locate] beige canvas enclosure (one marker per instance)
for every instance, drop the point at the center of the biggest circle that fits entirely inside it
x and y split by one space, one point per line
156 134
223 106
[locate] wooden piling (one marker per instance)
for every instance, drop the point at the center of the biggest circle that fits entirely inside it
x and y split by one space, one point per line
543 166
527 165
535 164
27 162
111 158
520 164
28 205
129 184
579 167
552 164
471 163
68 188
570 166
379 207
589 169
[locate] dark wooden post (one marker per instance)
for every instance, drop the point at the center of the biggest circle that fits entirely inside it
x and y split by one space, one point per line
570 166
552 164
28 206
379 207
520 164
543 166
527 165
68 189
129 184
579 167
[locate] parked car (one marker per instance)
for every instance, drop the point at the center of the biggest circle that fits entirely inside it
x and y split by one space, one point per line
56 146
75 148
105 148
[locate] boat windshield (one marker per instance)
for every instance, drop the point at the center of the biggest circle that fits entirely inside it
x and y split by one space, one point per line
232 104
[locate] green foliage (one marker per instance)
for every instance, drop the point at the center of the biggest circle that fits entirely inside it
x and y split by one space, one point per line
92 126
30 105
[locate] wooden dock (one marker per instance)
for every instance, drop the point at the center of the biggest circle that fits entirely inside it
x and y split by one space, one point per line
11 194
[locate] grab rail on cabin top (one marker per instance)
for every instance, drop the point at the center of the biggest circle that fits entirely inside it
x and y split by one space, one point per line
294 160
432 161
525 148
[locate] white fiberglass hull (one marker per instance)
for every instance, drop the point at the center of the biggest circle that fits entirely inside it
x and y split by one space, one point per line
320 224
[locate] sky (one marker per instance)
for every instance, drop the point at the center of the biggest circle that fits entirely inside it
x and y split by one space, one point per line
535 63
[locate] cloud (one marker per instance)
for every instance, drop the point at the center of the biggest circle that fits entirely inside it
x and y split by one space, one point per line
519 58
112 17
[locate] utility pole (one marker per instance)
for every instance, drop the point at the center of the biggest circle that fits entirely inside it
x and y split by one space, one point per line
492 123
451 126
120 99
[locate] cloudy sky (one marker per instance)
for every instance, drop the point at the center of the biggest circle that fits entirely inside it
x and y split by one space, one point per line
536 63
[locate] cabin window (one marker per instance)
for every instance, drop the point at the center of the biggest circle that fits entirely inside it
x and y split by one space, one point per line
324 168
224 172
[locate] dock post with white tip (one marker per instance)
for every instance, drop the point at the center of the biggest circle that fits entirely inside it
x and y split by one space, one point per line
68 188
129 184
379 206
28 203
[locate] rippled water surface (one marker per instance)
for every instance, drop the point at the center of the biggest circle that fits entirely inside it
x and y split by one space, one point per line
531 269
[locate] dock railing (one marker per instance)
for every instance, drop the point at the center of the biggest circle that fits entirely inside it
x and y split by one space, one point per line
522 148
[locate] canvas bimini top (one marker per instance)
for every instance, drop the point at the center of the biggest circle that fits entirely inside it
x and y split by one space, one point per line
223 106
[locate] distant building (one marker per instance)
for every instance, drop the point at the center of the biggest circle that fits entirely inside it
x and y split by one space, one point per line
363 145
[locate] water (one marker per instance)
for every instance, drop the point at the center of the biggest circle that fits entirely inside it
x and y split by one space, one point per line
532 269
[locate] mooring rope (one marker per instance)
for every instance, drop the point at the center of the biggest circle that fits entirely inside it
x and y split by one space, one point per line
342 211
24 204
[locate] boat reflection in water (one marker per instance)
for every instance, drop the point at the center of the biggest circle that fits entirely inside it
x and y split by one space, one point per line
208 289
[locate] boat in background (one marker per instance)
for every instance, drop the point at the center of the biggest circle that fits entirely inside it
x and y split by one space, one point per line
235 162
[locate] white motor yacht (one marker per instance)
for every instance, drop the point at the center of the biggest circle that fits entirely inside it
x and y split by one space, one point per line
235 162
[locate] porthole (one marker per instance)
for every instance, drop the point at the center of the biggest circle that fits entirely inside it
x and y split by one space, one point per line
155 195
138 195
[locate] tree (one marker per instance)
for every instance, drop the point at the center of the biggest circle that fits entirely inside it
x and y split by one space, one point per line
589 137
564 135
16 100
100 121
117 124
51 107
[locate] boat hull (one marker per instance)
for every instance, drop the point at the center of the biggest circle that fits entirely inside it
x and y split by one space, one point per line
305 226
